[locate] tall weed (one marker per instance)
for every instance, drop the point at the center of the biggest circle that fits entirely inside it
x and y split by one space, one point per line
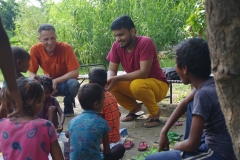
86 24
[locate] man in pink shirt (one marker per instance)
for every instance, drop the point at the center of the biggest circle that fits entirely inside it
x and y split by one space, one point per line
144 81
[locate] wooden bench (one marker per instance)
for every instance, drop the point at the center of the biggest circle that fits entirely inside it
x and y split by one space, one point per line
84 77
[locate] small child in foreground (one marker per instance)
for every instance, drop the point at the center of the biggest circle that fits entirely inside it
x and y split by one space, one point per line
193 65
35 137
21 60
51 108
88 129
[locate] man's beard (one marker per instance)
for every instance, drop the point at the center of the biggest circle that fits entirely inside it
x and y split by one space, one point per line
128 44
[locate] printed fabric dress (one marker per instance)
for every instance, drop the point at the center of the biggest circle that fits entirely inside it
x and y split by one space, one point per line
29 140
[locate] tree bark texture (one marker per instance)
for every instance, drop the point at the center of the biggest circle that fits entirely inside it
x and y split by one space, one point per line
223 34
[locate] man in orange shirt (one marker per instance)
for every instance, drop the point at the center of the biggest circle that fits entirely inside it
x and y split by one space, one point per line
57 59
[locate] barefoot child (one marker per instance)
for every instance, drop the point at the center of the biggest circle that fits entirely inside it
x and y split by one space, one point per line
193 65
21 60
51 108
88 129
35 138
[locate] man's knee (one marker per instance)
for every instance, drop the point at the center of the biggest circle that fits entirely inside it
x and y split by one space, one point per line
137 87
73 86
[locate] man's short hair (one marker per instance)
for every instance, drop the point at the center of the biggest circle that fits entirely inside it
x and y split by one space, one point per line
45 27
194 54
123 21
98 75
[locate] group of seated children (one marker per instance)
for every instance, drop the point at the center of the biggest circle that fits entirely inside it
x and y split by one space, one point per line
25 136
44 106
88 129
206 137
51 106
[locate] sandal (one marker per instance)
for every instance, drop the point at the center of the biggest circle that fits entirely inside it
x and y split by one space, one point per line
142 146
128 144
151 123
133 115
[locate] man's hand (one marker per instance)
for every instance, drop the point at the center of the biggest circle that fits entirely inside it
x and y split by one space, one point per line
54 81
163 143
112 81
12 98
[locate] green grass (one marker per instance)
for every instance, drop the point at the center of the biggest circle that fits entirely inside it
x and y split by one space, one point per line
179 92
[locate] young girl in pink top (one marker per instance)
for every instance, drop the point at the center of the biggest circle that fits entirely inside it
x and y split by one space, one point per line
25 136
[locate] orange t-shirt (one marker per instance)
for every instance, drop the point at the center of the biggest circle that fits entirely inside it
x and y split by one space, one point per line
62 61
112 116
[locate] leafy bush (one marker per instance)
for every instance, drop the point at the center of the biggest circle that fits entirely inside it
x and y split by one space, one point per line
85 24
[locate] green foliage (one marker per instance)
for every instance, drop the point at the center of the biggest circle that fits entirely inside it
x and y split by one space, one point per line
196 23
142 156
8 12
27 22
172 137
86 24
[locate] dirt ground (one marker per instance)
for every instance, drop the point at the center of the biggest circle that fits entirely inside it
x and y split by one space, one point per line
136 132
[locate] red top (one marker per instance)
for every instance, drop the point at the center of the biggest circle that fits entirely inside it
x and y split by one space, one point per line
144 50
62 61
112 116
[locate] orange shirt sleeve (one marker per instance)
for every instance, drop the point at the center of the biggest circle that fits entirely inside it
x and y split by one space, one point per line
71 59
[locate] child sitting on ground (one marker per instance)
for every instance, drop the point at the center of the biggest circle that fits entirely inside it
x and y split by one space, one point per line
35 138
21 60
110 110
194 67
88 128
51 108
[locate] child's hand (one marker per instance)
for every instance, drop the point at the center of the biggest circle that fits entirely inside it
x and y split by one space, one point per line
163 143
54 85
67 134
12 99
176 146
60 128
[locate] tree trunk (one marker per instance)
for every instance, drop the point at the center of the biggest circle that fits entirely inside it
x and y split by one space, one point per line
223 34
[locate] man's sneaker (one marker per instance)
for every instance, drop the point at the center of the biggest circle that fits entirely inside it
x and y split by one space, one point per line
69 114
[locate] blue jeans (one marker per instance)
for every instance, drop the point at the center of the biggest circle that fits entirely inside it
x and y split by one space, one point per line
202 153
203 149
69 89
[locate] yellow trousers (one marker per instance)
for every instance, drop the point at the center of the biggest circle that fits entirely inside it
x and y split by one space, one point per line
149 91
